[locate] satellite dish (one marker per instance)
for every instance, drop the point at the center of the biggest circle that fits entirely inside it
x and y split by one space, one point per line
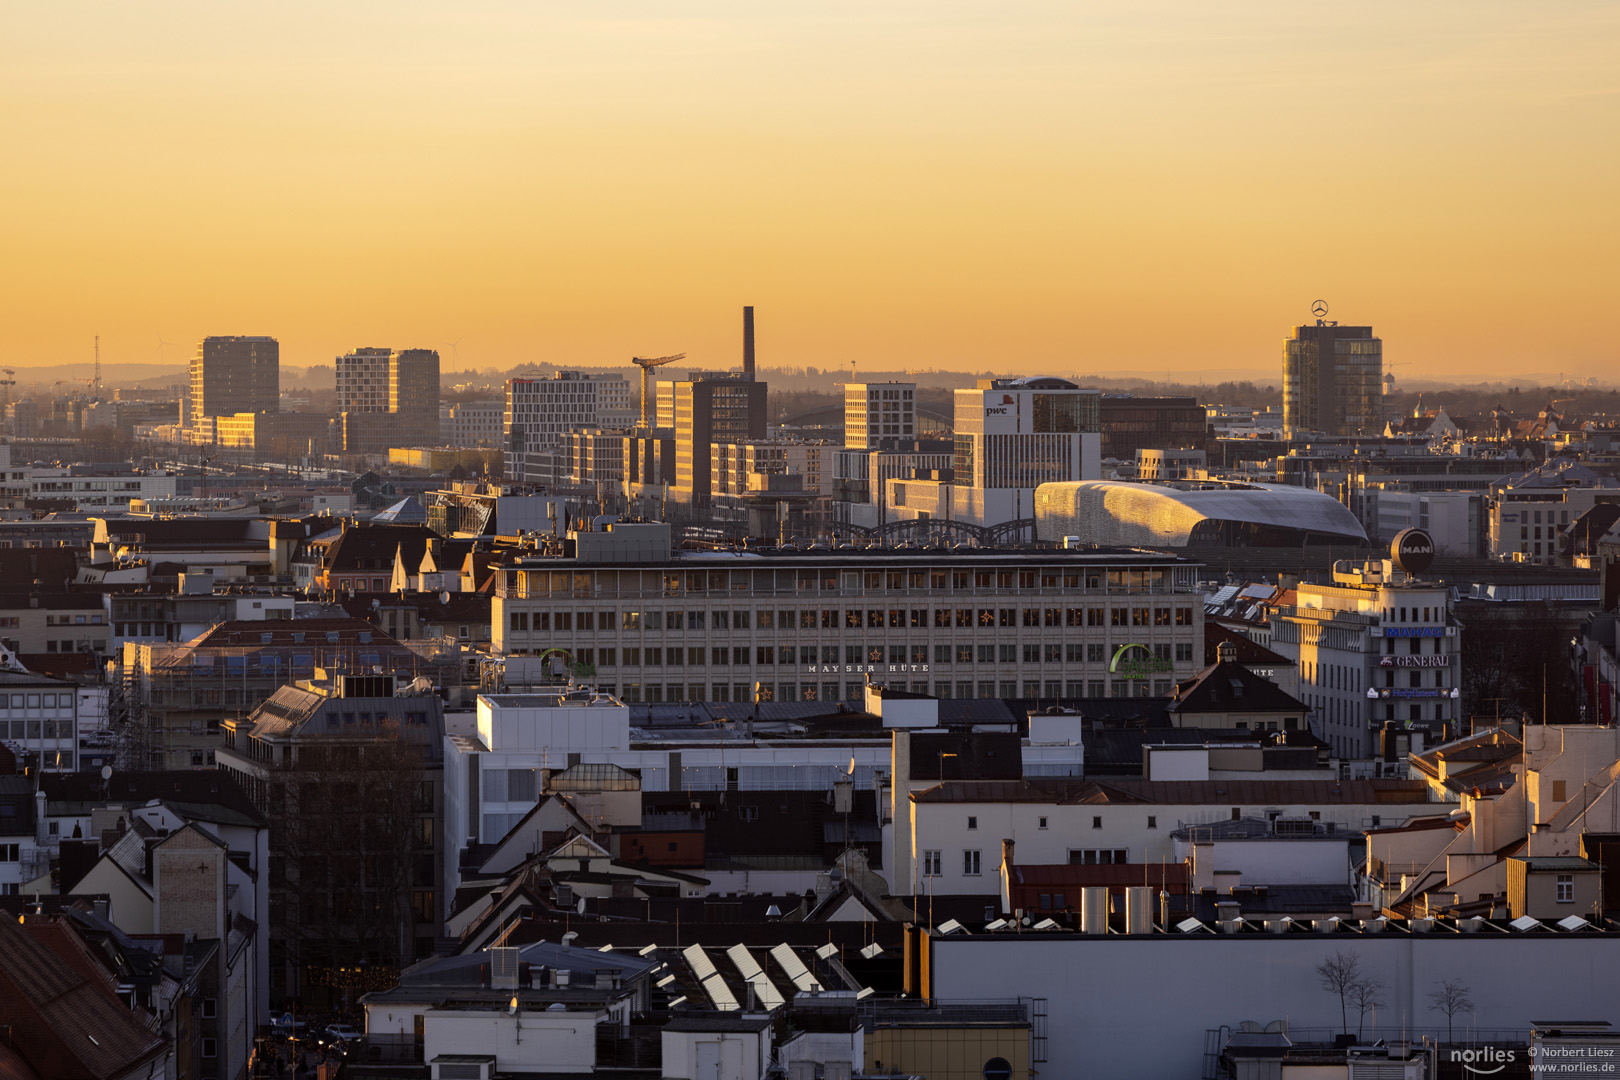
444 597
580 907
106 772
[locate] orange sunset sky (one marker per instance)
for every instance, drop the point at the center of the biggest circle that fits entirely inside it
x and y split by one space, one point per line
1076 187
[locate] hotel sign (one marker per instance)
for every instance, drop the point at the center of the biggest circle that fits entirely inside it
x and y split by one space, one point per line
1414 661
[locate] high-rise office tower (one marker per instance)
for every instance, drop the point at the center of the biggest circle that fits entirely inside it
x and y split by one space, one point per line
236 375
1022 433
540 411
362 380
711 407
388 398
879 416
413 383
1333 380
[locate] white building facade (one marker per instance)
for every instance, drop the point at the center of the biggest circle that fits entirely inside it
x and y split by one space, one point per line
1012 435
472 423
877 415
1377 646
814 626
539 411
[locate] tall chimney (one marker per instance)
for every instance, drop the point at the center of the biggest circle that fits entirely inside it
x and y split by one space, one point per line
748 342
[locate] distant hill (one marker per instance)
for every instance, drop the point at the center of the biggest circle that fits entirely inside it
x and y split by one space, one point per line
111 374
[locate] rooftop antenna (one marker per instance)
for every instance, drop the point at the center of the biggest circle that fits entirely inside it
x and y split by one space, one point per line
98 366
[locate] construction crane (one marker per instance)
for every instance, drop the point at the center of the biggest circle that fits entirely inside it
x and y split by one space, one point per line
646 364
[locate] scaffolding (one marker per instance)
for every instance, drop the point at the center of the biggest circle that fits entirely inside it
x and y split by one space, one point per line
174 698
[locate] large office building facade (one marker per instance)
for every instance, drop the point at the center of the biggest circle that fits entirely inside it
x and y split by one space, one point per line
235 375
362 380
1131 423
656 625
387 398
711 407
540 411
879 416
1012 436
1333 380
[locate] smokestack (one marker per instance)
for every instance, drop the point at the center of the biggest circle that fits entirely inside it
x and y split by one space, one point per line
748 342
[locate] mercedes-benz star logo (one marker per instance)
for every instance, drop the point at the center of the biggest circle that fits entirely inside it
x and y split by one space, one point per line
1319 308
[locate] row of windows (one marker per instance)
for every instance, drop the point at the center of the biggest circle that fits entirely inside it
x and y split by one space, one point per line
933 860
1033 689
870 653
832 579
848 618
36 701
37 729
73 620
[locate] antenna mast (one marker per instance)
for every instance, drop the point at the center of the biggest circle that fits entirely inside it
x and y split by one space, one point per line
98 366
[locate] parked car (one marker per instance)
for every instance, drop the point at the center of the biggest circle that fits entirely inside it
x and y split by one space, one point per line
342 1032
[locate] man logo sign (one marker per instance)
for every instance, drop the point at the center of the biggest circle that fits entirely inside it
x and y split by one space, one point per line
1484 1060
1412 550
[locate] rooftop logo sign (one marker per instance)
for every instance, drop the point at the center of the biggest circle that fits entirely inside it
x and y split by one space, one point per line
1129 666
1412 550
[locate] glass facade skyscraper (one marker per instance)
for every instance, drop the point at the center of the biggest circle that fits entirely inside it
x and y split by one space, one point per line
1333 380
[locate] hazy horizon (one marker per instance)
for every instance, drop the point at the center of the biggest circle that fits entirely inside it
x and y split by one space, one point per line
1053 188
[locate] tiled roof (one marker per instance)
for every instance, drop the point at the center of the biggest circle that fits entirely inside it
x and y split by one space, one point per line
377 542
1230 687
66 1020
1249 651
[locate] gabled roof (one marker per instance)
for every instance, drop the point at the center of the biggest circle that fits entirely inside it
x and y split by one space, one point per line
378 544
1227 686
64 1017
407 511
1249 651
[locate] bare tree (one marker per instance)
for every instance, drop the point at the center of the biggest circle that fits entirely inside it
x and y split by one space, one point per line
1452 998
346 832
1339 974
1366 995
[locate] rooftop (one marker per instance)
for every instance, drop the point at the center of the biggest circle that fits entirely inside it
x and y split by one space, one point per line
1066 792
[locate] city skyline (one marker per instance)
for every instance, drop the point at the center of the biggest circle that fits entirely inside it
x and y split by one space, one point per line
901 188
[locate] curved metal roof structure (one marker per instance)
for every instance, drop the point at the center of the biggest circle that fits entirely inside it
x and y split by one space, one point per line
1160 515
